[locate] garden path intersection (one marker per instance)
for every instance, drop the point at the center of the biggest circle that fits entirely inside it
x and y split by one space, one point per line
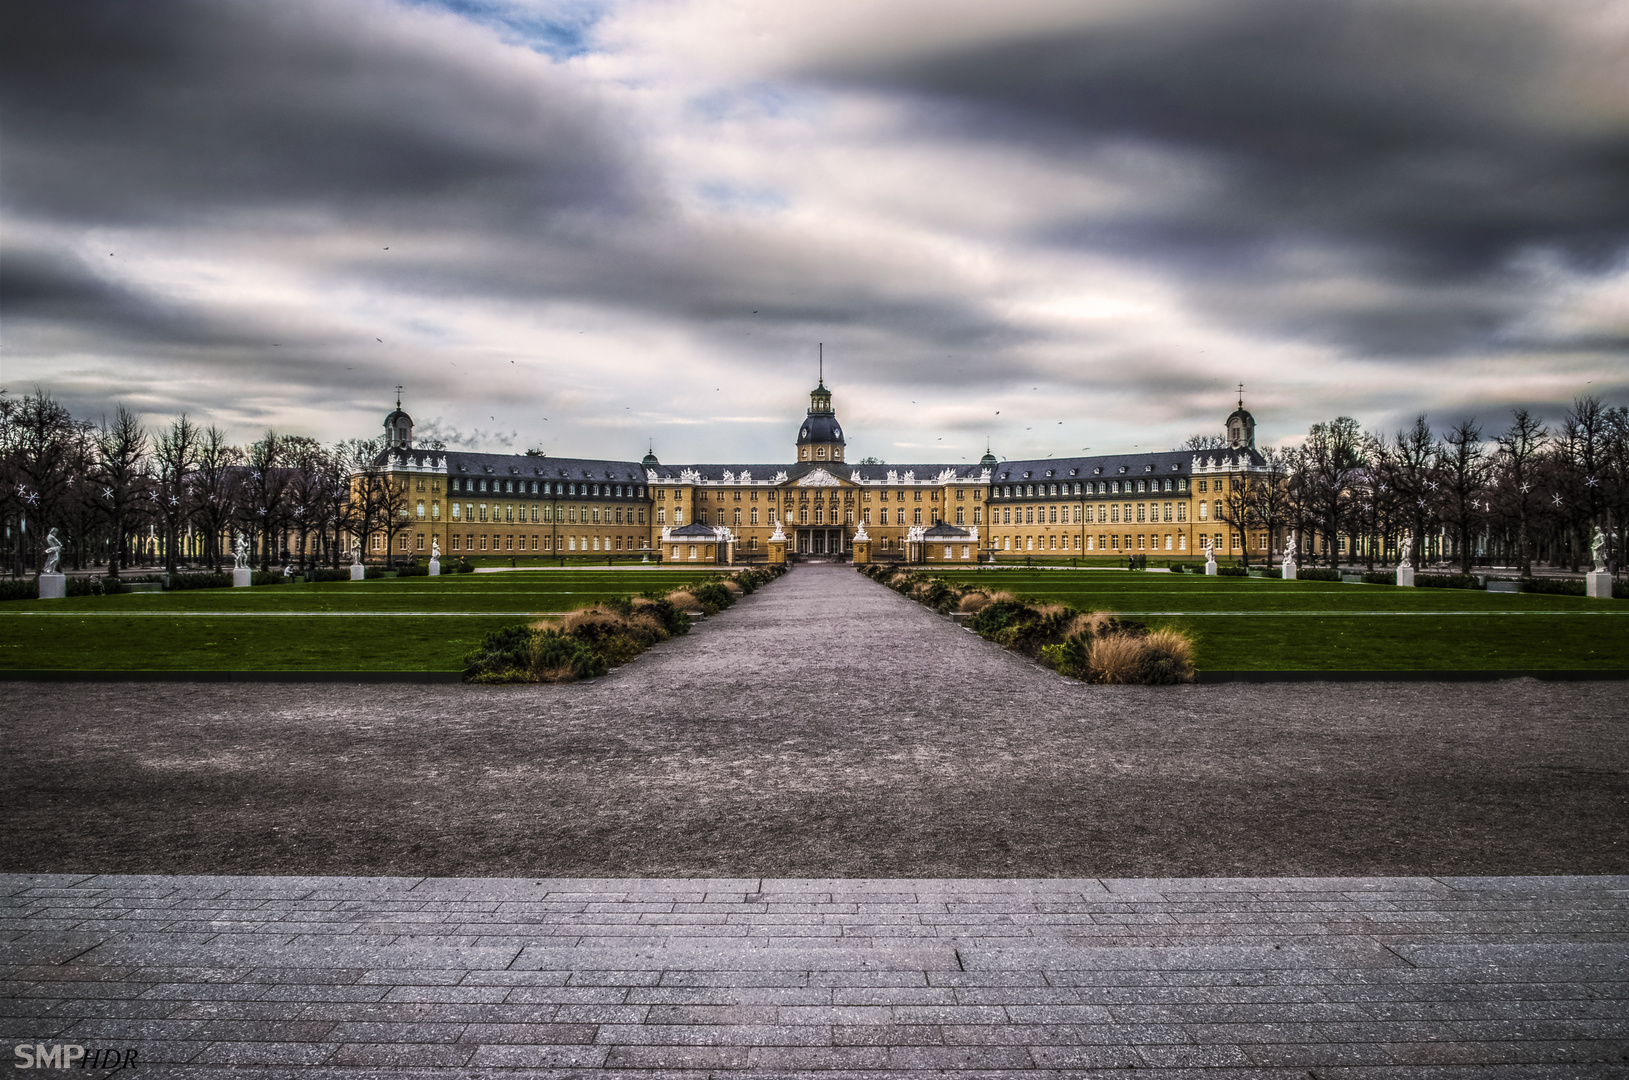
1014 861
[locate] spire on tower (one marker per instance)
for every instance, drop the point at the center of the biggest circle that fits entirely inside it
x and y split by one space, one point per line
398 395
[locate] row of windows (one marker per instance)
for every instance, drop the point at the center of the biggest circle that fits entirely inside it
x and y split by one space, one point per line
539 542
546 487
1103 542
1082 515
1095 487
608 515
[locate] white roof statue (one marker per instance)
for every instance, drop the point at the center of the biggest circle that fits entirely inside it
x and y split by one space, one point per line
664 534
914 534
722 534
745 477
780 477
893 476
945 476
690 476
910 477
729 476
650 475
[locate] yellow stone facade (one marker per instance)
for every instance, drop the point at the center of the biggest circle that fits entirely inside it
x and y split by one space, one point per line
494 505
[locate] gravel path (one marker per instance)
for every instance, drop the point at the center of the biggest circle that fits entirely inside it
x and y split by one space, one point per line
823 727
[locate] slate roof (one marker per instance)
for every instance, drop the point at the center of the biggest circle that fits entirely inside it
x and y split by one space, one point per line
694 530
946 531
1114 466
462 463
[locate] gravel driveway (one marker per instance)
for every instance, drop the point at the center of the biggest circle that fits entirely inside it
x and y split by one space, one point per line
823 727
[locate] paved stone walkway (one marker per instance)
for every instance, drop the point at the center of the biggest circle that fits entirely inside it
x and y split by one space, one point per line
473 977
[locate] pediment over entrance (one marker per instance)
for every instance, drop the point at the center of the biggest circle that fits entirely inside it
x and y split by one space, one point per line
819 478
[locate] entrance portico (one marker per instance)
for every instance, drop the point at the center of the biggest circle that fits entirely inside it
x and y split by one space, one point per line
822 542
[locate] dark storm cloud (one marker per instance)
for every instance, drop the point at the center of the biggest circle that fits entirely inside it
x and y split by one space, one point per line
126 112
1418 146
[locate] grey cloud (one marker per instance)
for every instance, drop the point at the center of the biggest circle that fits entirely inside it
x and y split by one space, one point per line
131 111
1417 145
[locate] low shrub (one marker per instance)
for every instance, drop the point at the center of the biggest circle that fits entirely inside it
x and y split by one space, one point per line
1274 572
204 580
412 571
1317 573
1232 571
713 597
95 586
1446 581
1553 586
1380 577
503 655
270 577
557 657
21 589
328 575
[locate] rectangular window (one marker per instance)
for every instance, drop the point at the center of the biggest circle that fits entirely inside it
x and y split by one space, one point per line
1182 511
978 515
1114 512
918 516
483 541
959 516
483 511
1203 506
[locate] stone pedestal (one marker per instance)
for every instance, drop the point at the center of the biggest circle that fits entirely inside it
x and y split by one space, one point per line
55 586
1288 571
1405 577
242 579
358 572
1210 569
777 552
862 552
1597 583
435 567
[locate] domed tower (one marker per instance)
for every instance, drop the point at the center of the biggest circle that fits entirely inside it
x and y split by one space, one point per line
649 460
398 427
1241 427
988 461
821 437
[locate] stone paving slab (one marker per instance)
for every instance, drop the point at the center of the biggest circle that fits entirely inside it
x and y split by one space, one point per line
274 977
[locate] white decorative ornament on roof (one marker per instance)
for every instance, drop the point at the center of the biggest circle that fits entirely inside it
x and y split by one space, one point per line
819 478
984 477
893 476
914 534
910 477
729 477
441 463
650 475
395 462
780 478
690 476
745 477
665 531
722 534
945 477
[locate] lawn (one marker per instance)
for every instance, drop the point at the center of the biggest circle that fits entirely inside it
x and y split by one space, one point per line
1262 624
392 624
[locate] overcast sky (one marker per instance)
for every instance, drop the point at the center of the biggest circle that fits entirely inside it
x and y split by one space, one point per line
582 226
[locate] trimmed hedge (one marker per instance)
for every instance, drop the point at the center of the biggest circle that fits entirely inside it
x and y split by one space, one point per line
1380 577
1232 571
1446 581
1316 573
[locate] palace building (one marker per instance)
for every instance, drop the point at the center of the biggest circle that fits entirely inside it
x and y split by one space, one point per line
473 504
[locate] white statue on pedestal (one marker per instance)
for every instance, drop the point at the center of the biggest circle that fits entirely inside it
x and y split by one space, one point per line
777 536
1210 556
860 535
240 553
1597 550
435 548
1405 551
1289 550
356 555
53 551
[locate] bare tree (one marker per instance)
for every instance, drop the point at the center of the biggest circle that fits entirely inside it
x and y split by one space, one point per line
122 474
261 505
176 455
37 438
1236 508
1411 463
1330 457
1204 442
307 493
1465 472
214 490
1519 447
1270 496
